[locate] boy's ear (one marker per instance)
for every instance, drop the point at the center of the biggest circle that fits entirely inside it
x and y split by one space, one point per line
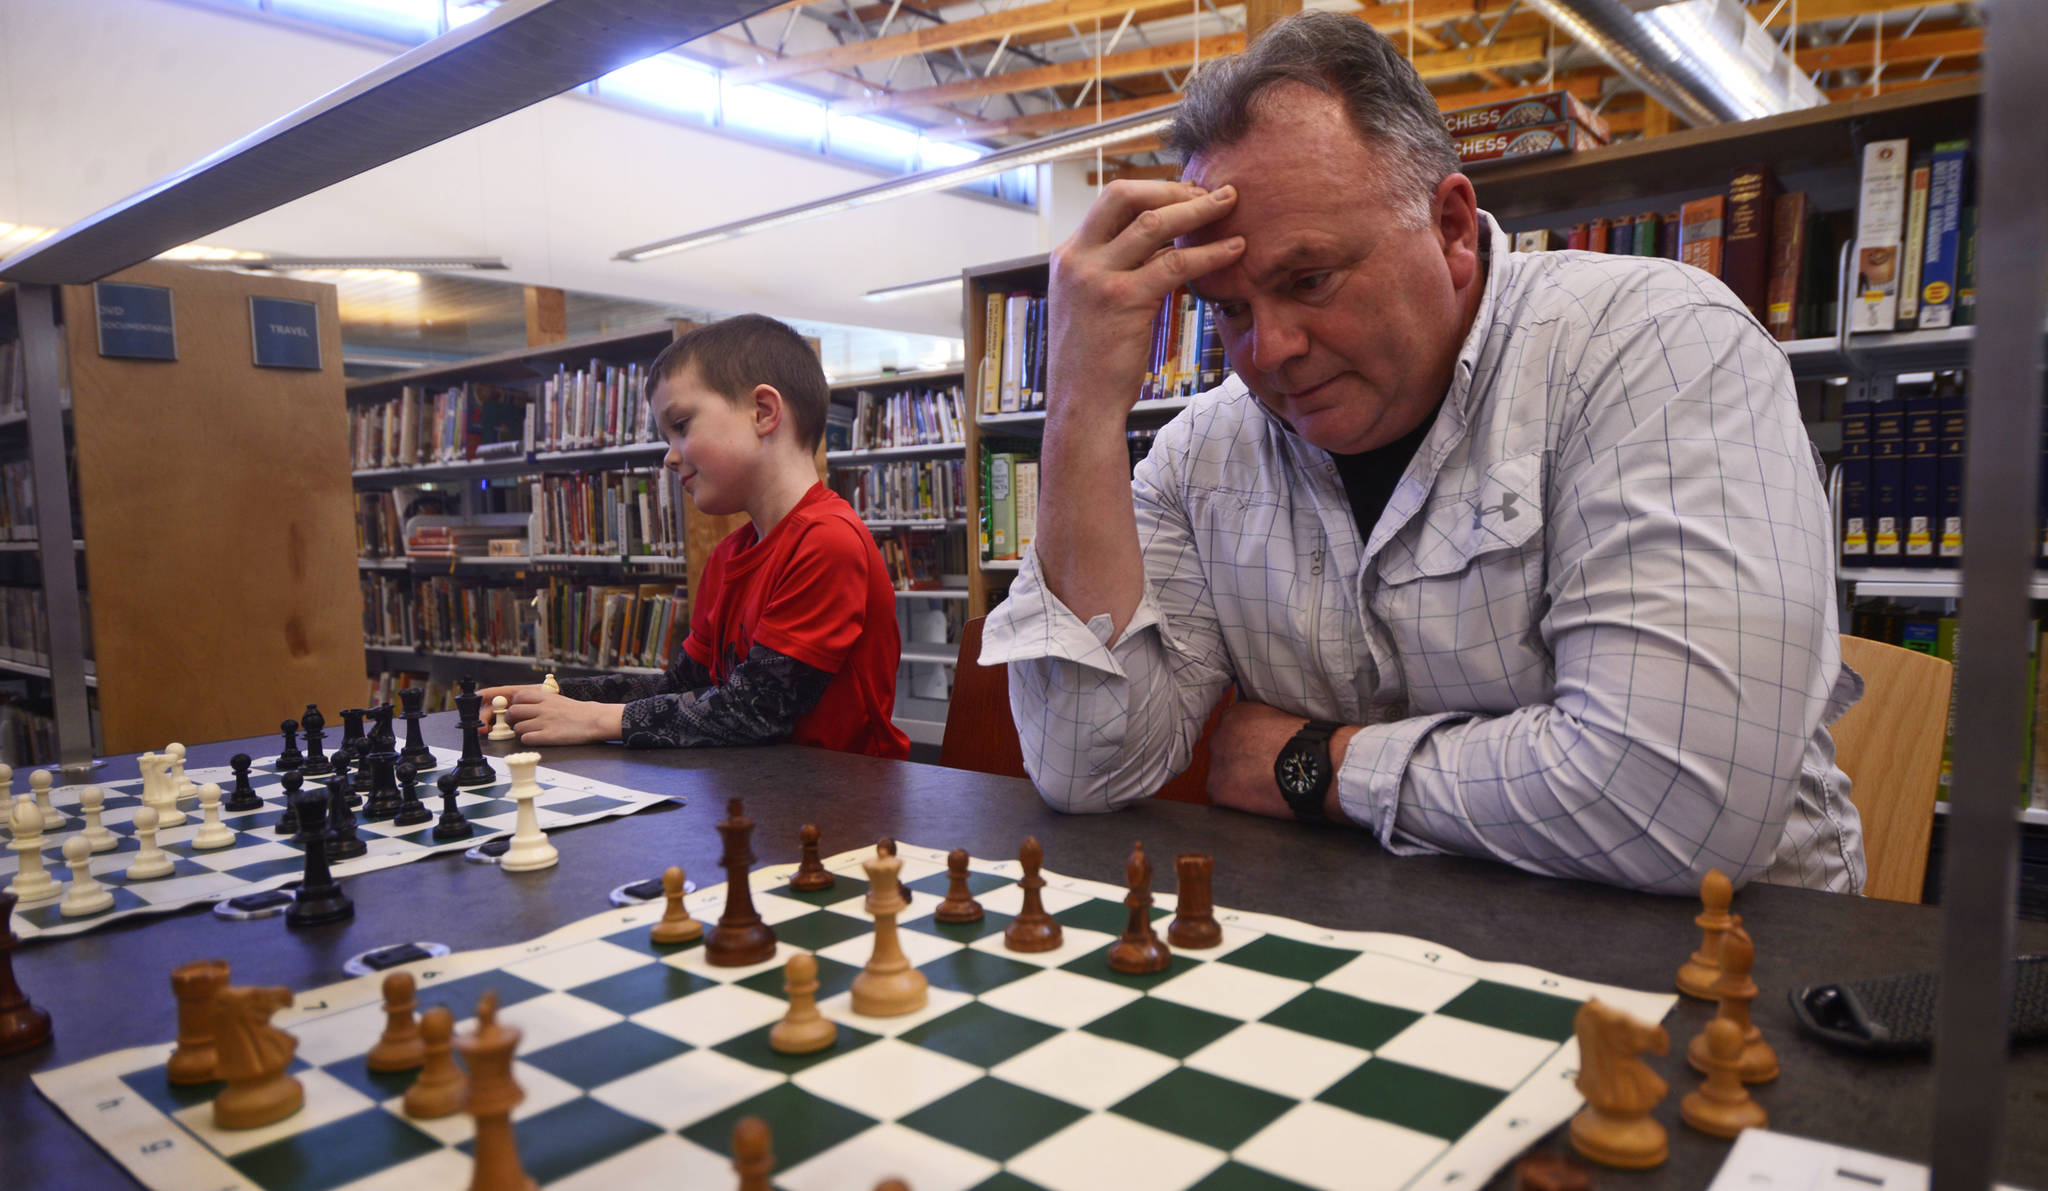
768 411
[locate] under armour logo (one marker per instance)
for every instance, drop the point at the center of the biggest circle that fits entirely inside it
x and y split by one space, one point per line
1506 509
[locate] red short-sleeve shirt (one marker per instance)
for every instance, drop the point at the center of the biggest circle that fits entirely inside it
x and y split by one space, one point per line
815 589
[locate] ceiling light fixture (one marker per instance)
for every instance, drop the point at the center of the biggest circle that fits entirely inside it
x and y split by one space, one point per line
283 264
890 293
1072 144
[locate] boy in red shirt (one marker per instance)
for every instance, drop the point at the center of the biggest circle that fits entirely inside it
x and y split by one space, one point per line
793 633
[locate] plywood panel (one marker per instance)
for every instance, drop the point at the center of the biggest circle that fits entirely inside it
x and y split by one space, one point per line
219 521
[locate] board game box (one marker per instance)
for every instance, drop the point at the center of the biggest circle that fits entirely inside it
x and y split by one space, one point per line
1288 1056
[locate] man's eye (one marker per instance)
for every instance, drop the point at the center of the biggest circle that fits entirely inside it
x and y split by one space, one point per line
1311 283
1230 310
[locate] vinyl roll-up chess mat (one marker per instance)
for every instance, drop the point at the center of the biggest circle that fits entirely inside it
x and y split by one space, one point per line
260 858
1288 1056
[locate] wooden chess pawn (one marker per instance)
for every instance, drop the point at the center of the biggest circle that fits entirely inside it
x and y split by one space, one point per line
1194 923
440 1087
888 986
959 905
22 1025
1697 975
252 1058
1722 1107
400 1048
811 875
803 1029
676 925
752 1158
1615 1128
195 985
1139 950
1032 929
1735 991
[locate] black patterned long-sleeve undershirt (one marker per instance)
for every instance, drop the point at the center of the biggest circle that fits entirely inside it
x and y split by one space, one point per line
759 702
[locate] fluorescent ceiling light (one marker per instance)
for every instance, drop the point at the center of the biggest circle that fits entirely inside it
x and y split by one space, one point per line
1072 144
309 263
890 293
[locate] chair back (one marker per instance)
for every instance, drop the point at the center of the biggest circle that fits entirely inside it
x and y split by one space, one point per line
1890 746
982 736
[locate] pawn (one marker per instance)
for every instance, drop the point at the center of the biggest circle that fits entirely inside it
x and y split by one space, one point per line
959 905
752 1159
33 883
39 785
177 788
1736 990
401 1047
549 684
85 895
411 811
290 757
438 1092
1697 975
1722 1107
212 832
288 823
452 825
150 861
804 1029
1032 929
810 871
502 727
243 797
92 800
340 839
676 925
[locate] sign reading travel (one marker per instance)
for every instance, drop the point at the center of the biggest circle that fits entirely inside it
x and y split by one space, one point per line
286 333
135 321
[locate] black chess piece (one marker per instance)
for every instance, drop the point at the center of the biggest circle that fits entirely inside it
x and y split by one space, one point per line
289 824
472 769
416 753
319 899
383 783
243 797
353 744
452 825
315 724
411 810
381 733
346 774
22 1025
290 757
341 841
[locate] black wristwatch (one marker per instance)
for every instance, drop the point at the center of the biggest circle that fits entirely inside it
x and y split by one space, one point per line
1303 770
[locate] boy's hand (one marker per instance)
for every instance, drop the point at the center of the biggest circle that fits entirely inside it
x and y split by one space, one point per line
511 694
540 716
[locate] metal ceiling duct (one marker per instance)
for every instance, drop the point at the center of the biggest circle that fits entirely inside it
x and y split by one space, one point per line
1652 62
521 53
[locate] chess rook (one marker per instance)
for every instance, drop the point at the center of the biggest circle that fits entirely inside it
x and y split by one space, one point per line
416 753
353 745
1194 923
379 770
740 938
195 985
472 769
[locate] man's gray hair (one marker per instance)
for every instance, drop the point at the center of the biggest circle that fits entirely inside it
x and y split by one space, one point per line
1342 56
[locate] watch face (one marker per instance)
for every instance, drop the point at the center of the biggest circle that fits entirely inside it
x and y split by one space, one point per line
1299 772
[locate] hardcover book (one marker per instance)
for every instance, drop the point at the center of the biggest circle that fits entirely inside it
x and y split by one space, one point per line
1916 237
1887 481
1700 234
1944 234
1880 232
1788 254
1747 258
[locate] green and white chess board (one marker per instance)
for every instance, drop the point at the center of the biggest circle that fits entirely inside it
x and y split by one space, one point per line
1288 1056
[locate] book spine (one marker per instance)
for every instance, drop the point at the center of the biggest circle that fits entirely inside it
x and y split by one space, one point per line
1016 313
1887 480
1966 270
1621 238
1916 245
1788 253
1949 498
1596 235
984 515
1922 479
1746 262
1667 236
1880 231
1646 234
1002 499
1025 480
1855 482
1944 225
992 354
1578 237
1700 233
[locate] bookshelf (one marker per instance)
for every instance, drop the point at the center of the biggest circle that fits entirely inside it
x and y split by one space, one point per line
881 420
580 489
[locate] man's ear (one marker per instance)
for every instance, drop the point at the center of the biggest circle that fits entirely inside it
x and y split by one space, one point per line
768 409
1457 226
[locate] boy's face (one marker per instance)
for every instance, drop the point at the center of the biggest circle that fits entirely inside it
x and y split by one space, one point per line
713 443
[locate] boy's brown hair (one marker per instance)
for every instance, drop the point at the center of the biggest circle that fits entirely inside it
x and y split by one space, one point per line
733 355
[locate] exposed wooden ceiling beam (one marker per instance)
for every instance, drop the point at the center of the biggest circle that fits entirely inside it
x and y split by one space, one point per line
1585 87
1921 47
1113 66
1843 94
1078 117
1029 18
1829 10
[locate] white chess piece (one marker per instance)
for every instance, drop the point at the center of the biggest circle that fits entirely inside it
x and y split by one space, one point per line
34 882
503 729
151 861
7 782
85 896
530 848
177 787
550 685
90 800
212 833
39 782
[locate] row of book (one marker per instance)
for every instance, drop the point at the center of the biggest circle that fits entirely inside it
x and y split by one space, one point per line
1902 476
606 626
602 405
1941 636
380 533
24 626
1186 358
910 418
1916 238
1187 349
13 379
608 514
909 490
445 614
17 501
1009 507
924 559
438 693
473 420
28 727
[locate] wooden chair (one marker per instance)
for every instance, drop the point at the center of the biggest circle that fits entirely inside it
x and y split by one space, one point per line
1890 746
981 735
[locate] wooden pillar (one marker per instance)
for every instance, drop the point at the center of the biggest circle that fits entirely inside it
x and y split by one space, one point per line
1657 119
1260 13
547 316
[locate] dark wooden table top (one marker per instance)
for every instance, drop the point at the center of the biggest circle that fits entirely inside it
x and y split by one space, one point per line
108 989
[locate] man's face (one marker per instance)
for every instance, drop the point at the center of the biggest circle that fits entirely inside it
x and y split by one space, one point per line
712 442
1341 320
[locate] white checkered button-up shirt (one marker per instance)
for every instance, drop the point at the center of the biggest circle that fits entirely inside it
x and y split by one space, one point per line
1592 635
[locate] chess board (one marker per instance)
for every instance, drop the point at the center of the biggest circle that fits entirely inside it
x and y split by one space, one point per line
1287 1057
261 859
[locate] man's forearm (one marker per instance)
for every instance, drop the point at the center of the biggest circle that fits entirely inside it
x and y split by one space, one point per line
1087 542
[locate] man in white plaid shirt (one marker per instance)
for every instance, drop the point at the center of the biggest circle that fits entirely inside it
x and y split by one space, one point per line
1516 556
